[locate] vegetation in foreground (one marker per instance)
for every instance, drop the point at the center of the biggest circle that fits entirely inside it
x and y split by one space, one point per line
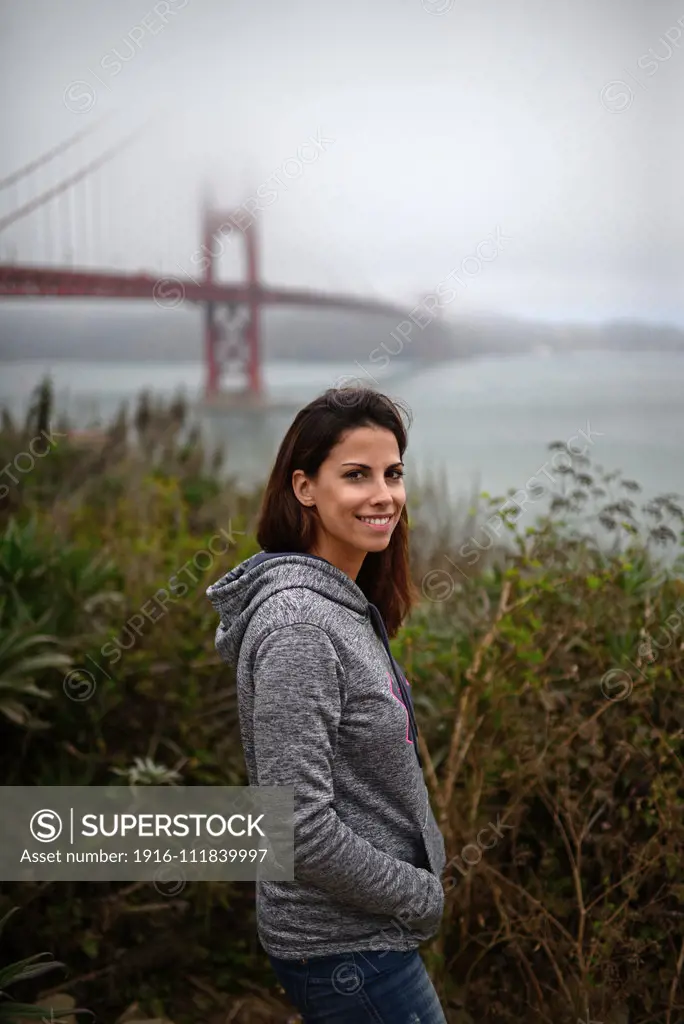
547 678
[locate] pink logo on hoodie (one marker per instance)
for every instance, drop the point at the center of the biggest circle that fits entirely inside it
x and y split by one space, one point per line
397 697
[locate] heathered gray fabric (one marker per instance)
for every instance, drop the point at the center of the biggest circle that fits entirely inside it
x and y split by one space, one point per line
320 710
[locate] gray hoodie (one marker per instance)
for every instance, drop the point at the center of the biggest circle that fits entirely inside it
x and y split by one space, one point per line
324 708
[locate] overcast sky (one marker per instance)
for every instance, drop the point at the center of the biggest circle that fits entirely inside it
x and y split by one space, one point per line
553 127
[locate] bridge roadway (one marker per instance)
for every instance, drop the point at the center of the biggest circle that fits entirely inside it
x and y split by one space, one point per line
170 291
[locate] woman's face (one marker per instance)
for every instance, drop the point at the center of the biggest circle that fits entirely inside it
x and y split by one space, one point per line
360 481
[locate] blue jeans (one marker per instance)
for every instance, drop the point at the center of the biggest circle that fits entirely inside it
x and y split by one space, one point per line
368 987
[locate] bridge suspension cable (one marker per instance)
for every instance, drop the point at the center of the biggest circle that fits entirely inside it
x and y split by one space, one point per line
66 183
50 154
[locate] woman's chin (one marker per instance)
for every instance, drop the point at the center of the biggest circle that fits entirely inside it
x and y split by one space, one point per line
378 543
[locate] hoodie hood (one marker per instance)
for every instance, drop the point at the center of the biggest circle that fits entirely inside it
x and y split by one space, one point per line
238 594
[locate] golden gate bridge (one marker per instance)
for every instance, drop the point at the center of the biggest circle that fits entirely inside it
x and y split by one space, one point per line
231 310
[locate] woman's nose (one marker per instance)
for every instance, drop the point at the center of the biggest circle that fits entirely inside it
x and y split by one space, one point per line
381 494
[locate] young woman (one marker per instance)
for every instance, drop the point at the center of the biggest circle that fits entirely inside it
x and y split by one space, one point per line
325 708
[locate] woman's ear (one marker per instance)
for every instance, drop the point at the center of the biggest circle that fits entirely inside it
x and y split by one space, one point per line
301 485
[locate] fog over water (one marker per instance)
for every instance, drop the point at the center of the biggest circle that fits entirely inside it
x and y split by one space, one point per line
442 120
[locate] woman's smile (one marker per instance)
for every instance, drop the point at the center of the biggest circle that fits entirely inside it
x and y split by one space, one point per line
377 522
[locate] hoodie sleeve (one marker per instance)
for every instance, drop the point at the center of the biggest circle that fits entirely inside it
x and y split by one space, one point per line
298 681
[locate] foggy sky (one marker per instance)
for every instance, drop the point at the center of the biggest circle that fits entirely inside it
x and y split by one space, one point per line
554 122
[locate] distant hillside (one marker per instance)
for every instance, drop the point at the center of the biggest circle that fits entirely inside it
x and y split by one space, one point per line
100 331
492 333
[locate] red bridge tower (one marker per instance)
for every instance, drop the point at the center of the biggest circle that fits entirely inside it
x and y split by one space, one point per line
232 329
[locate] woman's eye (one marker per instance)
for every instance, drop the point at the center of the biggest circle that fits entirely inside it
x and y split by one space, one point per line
395 474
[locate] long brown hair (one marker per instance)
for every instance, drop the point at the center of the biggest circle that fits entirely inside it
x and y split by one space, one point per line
285 525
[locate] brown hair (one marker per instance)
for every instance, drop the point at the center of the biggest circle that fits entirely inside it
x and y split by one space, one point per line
285 525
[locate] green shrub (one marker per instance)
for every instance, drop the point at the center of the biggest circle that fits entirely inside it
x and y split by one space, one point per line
26 970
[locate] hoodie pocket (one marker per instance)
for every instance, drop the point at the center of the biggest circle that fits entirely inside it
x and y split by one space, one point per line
433 841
